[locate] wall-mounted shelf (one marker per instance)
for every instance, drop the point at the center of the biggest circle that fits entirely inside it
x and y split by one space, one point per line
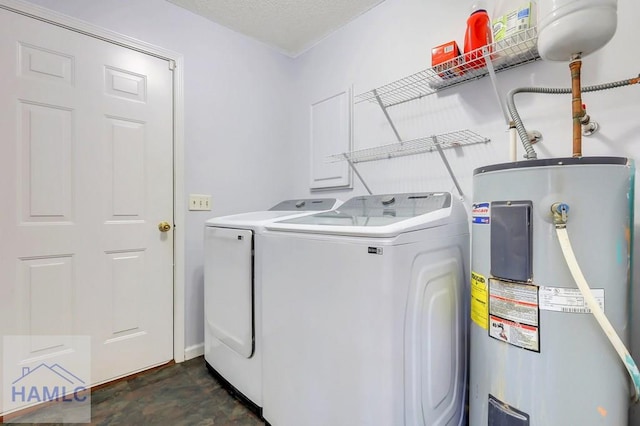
519 49
411 147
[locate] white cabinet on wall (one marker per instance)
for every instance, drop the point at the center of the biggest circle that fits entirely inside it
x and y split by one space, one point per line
331 132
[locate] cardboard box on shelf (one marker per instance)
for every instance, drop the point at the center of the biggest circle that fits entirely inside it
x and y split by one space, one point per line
508 47
445 58
519 19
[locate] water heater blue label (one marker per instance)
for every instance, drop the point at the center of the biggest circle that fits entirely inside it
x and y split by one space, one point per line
481 213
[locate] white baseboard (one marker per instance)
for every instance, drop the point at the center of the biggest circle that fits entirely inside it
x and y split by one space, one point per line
193 351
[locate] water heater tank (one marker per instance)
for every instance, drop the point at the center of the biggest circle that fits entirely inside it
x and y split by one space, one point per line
568 27
538 357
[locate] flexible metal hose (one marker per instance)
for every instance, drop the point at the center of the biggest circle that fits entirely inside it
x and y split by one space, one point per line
522 131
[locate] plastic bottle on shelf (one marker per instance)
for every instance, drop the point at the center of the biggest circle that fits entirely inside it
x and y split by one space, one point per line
479 34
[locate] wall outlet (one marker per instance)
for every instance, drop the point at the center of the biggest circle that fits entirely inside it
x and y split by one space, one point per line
199 202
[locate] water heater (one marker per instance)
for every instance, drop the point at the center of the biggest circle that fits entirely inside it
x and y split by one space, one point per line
568 27
538 357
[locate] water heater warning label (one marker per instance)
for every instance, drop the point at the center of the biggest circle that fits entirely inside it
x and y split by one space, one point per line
568 300
514 314
479 300
520 335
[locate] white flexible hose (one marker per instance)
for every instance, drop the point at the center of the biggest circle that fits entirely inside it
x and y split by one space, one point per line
600 316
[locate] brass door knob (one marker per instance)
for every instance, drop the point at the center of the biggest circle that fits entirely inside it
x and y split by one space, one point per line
164 226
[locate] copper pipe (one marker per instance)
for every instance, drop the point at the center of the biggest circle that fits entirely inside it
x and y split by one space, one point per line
576 105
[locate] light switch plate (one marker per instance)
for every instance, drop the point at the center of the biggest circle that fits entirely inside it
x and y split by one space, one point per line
199 202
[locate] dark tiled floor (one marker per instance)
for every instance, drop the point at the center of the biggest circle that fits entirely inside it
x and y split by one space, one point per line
181 394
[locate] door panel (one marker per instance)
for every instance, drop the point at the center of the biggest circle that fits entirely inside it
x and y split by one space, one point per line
87 172
45 138
229 307
126 275
48 286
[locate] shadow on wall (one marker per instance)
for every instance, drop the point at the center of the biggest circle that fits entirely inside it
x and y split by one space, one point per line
197 283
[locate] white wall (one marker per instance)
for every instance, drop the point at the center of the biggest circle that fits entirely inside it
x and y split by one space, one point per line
394 40
236 116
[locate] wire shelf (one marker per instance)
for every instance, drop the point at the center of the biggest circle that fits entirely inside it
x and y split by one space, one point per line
519 49
411 147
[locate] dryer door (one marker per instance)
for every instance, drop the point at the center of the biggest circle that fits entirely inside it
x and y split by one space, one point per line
228 287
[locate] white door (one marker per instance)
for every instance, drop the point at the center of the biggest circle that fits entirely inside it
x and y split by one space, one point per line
85 178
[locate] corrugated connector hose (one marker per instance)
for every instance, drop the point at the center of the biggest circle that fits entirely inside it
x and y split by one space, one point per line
560 214
522 131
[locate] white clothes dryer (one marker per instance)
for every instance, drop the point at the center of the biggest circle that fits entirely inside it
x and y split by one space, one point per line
232 295
365 314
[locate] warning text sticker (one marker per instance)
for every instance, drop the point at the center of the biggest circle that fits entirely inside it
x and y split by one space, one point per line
479 300
515 302
523 336
514 314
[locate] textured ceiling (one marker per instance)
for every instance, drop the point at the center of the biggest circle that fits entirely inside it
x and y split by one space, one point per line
291 26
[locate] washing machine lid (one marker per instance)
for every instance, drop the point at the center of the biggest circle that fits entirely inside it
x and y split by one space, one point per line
288 208
374 215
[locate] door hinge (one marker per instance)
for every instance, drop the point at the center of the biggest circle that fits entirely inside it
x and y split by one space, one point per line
172 64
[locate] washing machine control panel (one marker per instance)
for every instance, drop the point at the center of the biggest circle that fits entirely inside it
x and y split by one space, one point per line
312 204
397 205
378 210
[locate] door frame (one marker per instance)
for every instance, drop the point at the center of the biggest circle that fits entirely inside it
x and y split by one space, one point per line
54 18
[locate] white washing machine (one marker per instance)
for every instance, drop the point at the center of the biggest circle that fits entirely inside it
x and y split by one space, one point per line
365 314
232 309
